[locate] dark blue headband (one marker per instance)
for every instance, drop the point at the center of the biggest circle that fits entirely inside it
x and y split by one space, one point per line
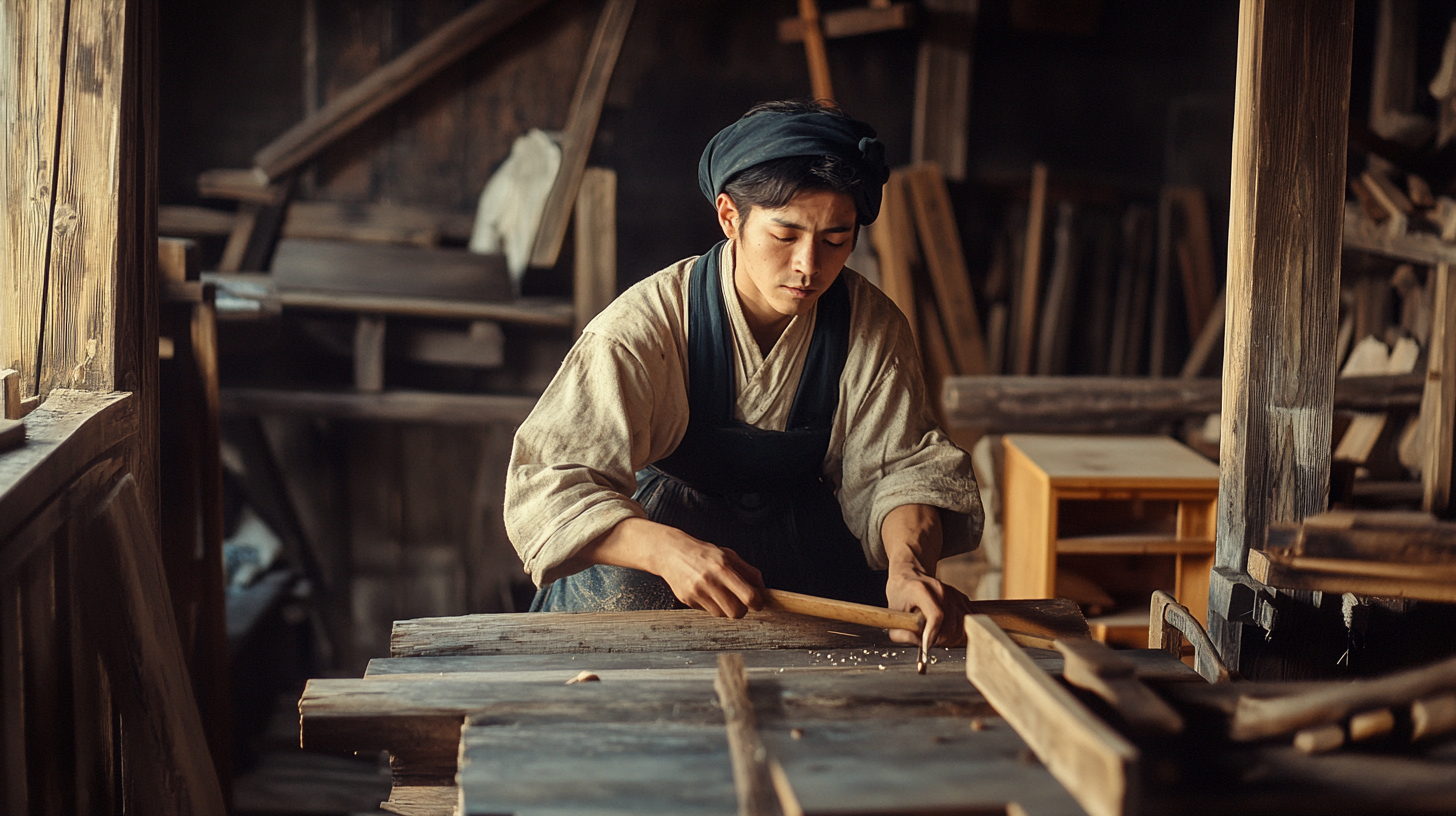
768 135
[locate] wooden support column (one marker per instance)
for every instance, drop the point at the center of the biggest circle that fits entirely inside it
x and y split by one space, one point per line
595 283
1285 215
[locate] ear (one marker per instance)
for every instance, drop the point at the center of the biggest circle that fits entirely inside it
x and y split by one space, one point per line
728 216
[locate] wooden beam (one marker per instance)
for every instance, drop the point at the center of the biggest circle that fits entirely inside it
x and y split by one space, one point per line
581 128
388 83
1422 248
369 353
1086 404
813 38
1061 289
1095 764
1283 281
851 22
945 261
374 223
366 269
595 282
394 406
1421 582
244 185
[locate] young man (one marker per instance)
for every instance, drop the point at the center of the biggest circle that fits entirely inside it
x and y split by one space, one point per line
752 417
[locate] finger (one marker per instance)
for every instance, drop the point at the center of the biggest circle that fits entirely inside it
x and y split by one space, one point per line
905 636
749 572
729 602
745 587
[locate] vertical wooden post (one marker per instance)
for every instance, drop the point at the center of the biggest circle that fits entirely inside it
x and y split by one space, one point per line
595 283
941 123
1291 112
1439 401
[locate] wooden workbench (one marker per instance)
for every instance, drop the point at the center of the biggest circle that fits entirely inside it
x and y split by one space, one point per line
481 720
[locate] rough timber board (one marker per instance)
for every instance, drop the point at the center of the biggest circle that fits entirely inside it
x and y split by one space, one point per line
1094 762
939 763
685 630
668 768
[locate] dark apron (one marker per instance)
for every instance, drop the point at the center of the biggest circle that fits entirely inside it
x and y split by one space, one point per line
760 493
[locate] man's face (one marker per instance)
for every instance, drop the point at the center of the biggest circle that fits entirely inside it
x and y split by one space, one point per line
788 257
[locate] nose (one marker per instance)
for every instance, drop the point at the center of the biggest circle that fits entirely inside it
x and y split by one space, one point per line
806 257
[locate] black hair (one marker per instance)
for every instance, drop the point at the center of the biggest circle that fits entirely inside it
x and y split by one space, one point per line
773 184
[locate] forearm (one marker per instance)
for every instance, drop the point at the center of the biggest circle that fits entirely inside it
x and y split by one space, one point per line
628 544
912 537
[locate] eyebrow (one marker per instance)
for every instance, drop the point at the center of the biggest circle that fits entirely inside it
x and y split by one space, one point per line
791 225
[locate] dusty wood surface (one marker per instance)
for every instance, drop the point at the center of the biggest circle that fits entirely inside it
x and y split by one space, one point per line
1097 668
1097 766
686 630
403 406
388 83
68 432
363 269
581 128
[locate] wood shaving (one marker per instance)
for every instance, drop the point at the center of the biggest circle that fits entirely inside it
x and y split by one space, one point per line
585 677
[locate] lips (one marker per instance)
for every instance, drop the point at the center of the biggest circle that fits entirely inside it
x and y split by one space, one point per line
797 291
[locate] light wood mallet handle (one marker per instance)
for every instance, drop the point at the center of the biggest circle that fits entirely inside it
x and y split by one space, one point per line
844 611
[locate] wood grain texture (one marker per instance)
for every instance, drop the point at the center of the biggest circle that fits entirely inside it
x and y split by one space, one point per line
686 630
1290 127
945 261
581 128
30 97
751 783
80 342
169 767
388 83
1097 766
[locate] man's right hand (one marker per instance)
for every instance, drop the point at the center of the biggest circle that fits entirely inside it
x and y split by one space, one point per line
701 575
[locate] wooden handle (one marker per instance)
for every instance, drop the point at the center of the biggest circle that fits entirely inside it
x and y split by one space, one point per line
843 611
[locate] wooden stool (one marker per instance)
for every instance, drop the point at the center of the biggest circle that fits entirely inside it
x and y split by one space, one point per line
1135 513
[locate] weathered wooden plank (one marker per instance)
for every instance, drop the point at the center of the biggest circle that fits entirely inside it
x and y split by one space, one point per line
30 100
193 222
940 766
686 630
388 83
1290 126
71 429
1438 406
80 342
895 243
1056 315
1365 235
945 261
130 624
940 124
1405 538
366 269
374 223
1421 582
1097 766
397 406
667 768
595 282
1078 404
581 128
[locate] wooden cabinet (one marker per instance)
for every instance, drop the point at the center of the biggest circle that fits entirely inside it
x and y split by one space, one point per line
1130 513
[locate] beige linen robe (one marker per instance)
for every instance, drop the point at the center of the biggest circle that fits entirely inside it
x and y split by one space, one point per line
620 403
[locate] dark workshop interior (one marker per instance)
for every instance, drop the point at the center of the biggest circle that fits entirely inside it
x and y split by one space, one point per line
280 280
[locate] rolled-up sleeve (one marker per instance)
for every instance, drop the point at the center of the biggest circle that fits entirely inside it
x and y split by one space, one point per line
607 413
893 453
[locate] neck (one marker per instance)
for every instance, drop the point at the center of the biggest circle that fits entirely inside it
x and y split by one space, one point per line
765 324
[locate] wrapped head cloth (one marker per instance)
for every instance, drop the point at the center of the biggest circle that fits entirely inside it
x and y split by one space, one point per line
770 135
